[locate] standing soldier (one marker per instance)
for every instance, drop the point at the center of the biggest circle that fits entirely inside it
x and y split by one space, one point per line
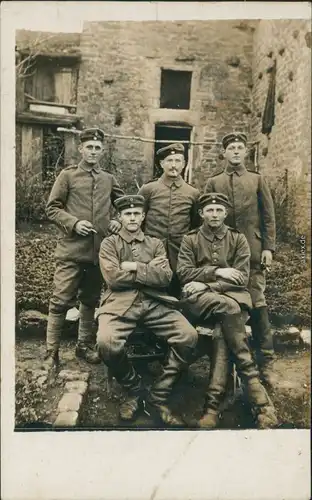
170 205
252 213
213 266
79 204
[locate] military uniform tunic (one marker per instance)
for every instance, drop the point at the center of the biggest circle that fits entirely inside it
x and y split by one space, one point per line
201 253
252 213
80 193
171 211
137 296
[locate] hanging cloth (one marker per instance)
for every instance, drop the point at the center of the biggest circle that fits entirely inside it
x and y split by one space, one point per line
269 110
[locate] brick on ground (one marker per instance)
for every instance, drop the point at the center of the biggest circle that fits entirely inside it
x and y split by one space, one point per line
70 401
72 375
305 336
66 419
77 386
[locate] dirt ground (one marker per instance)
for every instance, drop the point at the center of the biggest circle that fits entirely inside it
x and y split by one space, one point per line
100 410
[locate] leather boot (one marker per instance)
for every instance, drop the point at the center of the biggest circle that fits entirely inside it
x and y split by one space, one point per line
201 349
218 377
87 352
263 342
155 405
234 333
233 329
55 326
51 360
85 345
262 406
125 374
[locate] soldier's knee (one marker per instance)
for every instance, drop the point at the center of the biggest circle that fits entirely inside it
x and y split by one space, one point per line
61 303
58 308
233 306
108 344
90 302
189 335
86 308
258 299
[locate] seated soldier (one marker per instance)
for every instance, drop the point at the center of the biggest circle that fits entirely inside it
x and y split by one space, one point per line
137 273
213 266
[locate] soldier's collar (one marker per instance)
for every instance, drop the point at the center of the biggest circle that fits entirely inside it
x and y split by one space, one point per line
88 168
211 235
177 182
239 170
129 237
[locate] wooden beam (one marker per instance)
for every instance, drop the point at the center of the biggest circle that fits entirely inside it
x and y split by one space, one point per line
74 56
27 117
33 100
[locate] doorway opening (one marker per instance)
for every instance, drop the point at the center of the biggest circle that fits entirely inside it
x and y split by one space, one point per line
171 132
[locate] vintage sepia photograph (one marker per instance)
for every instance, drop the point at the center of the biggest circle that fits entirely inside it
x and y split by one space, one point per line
162 245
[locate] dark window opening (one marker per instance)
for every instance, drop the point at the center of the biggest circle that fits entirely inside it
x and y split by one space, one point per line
52 153
170 132
175 90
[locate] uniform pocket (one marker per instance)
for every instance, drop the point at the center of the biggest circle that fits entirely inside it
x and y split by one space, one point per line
258 234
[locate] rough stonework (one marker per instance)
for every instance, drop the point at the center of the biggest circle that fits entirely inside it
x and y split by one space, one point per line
285 156
120 74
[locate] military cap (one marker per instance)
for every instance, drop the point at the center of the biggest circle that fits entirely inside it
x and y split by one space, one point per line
129 201
172 149
215 198
92 134
234 137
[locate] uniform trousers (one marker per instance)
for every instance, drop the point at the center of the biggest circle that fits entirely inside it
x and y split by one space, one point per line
163 321
72 281
204 306
256 287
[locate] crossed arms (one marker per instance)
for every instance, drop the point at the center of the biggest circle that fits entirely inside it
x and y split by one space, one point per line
129 274
213 278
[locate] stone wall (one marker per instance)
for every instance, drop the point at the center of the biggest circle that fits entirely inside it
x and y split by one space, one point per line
285 155
119 87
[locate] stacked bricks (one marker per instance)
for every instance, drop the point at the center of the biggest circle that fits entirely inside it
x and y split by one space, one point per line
71 403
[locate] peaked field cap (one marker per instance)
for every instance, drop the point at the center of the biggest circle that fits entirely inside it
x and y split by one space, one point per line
92 134
129 201
233 137
172 149
215 199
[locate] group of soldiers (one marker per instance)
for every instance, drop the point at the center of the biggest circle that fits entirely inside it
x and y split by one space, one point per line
171 259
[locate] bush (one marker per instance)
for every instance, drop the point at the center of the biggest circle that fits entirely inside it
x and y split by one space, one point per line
34 269
31 194
288 287
29 398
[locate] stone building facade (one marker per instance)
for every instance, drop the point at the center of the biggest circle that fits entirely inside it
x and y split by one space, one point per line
191 81
285 154
123 78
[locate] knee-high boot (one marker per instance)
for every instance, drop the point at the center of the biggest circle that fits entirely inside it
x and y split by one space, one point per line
263 341
218 377
234 333
123 370
54 332
178 359
85 347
